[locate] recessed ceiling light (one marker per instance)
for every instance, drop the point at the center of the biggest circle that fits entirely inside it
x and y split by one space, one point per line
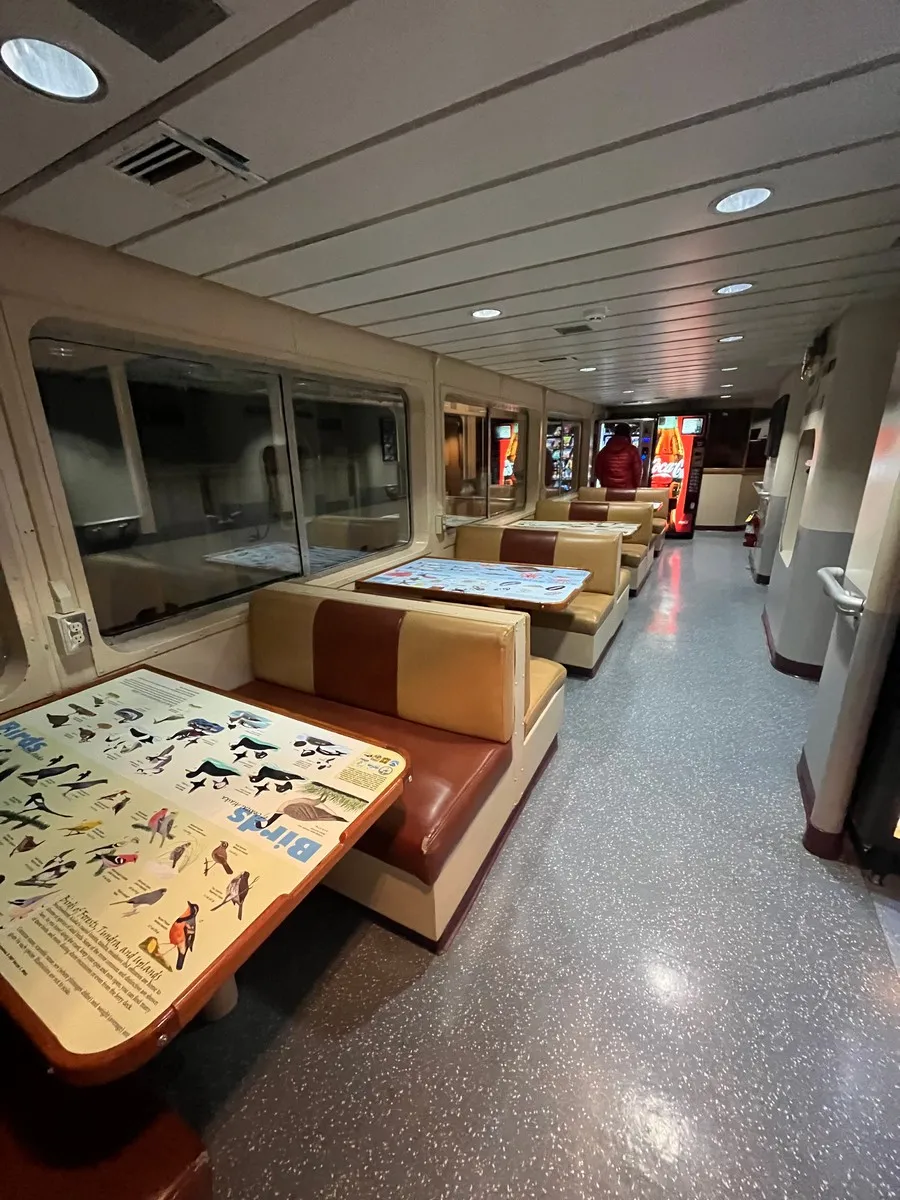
725 397
733 289
725 385
729 368
738 202
61 351
732 337
486 314
50 69
629 393
586 370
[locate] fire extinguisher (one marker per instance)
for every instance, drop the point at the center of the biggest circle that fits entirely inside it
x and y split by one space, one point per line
751 529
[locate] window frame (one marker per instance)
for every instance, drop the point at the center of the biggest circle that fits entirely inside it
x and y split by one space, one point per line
61 555
488 411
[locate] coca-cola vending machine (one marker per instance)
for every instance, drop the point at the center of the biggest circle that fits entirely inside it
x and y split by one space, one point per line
678 466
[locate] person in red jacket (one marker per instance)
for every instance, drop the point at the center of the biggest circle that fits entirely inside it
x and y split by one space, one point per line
618 465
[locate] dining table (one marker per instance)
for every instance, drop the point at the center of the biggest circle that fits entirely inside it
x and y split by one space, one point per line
625 528
518 586
153 833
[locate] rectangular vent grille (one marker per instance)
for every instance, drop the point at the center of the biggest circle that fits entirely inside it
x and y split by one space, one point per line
568 330
159 28
557 358
195 172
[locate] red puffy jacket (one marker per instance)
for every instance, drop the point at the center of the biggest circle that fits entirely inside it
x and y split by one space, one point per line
618 465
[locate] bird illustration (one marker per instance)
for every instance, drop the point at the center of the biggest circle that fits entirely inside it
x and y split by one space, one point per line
236 893
82 711
27 843
115 860
183 932
85 735
81 784
51 874
153 822
165 826
81 827
52 769
247 745
220 856
303 811
150 946
176 855
57 719
26 902
213 769
145 898
36 800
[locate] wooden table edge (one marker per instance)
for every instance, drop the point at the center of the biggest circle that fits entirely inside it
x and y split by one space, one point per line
105 1066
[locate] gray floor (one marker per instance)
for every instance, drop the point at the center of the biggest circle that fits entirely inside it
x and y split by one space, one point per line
658 994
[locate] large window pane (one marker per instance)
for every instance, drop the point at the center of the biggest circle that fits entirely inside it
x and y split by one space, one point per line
465 474
353 466
176 476
508 458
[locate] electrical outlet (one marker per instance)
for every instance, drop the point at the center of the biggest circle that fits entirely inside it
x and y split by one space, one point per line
70 632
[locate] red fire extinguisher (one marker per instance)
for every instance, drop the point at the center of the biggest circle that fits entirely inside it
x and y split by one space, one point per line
751 529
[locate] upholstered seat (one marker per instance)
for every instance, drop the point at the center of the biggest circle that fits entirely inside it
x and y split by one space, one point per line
545 678
584 614
453 774
659 526
632 554
624 581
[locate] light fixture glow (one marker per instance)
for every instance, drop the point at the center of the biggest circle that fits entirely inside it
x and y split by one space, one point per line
586 370
629 393
746 198
50 69
729 368
725 397
486 314
733 289
732 337
725 385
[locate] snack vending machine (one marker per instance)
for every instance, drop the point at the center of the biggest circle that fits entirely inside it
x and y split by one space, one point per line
562 456
678 466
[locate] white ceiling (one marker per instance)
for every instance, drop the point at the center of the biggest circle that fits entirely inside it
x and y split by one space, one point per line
426 157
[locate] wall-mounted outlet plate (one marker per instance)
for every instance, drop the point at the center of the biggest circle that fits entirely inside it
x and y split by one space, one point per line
70 632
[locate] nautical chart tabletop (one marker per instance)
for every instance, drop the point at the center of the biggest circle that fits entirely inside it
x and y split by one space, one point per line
515 586
622 527
152 834
283 557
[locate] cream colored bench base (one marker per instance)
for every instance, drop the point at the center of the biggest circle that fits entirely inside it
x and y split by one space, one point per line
429 910
640 572
579 649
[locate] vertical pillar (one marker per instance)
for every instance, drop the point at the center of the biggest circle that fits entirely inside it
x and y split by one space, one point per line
131 443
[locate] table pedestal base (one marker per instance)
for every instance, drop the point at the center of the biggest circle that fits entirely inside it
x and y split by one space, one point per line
223 1001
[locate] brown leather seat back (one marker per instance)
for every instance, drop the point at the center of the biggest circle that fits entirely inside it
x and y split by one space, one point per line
582 510
432 667
583 551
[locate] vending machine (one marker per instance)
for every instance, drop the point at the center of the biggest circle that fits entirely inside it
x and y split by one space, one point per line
678 466
642 433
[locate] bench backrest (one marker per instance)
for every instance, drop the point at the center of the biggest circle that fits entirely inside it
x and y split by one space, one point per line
628 496
450 672
598 553
582 510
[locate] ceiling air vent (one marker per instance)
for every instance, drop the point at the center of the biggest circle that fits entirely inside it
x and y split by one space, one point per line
195 172
558 358
160 28
568 330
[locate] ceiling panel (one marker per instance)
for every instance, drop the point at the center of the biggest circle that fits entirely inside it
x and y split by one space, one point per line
36 130
567 114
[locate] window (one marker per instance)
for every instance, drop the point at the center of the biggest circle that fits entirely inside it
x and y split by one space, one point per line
561 455
485 456
352 462
176 477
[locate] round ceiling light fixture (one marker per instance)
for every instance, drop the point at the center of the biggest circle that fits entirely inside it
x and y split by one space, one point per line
486 314
732 337
741 201
732 289
50 70
586 370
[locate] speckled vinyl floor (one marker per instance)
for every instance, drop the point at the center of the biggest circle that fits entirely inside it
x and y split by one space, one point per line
658 994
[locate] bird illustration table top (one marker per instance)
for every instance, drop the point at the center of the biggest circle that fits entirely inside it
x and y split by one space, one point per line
625 528
514 586
150 859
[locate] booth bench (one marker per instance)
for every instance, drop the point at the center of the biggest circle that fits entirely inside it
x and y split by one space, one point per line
637 554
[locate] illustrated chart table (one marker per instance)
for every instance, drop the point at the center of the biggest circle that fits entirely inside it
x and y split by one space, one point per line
626 529
525 587
152 835
283 557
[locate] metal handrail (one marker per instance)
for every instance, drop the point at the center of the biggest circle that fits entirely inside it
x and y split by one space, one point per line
846 602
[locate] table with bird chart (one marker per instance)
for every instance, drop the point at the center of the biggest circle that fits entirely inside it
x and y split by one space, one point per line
461 580
625 528
152 834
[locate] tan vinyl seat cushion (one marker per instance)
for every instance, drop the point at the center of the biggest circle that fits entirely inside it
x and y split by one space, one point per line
632 554
659 525
584 614
545 678
624 581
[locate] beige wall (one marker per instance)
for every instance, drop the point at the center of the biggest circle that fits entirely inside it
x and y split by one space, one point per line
727 497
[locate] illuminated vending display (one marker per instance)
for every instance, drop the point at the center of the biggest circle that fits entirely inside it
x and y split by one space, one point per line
678 466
